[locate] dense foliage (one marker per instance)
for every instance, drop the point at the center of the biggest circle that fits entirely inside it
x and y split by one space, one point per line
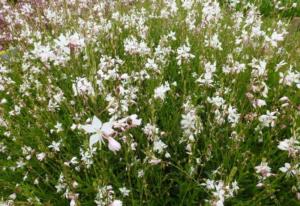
190 102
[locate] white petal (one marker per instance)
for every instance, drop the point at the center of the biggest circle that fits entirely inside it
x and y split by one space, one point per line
107 129
135 120
96 122
72 203
283 169
94 139
89 128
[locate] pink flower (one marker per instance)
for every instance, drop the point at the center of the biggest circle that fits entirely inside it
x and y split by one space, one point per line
263 169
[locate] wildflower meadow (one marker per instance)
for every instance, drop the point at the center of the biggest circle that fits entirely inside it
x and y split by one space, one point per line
150 102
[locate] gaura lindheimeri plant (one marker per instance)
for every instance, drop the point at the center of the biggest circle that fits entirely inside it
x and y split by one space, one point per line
145 102
109 130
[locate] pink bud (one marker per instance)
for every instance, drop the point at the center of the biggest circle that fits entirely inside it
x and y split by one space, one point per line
113 145
116 203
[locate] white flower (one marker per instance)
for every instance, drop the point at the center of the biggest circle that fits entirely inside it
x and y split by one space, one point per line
235 186
76 40
58 127
289 169
189 120
291 145
286 167
275 38
220 191
183 53
13 196
141 173
132 46
82 86
260 67
263 169
259 103
216 101
152 65
211 12
187 4
98 131
55 146
159 146
150 130
101 131
290 77
233 115
44 53
134 121
65 42
234 68
127 122
268 119
190 123
160 92
154 161
41 156
213 42
207 77
233 3
124 191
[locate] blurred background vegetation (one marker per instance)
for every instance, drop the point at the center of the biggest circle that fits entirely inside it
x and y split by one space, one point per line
267 7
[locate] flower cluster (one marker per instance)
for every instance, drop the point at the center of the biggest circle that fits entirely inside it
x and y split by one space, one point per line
109 130
134 102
